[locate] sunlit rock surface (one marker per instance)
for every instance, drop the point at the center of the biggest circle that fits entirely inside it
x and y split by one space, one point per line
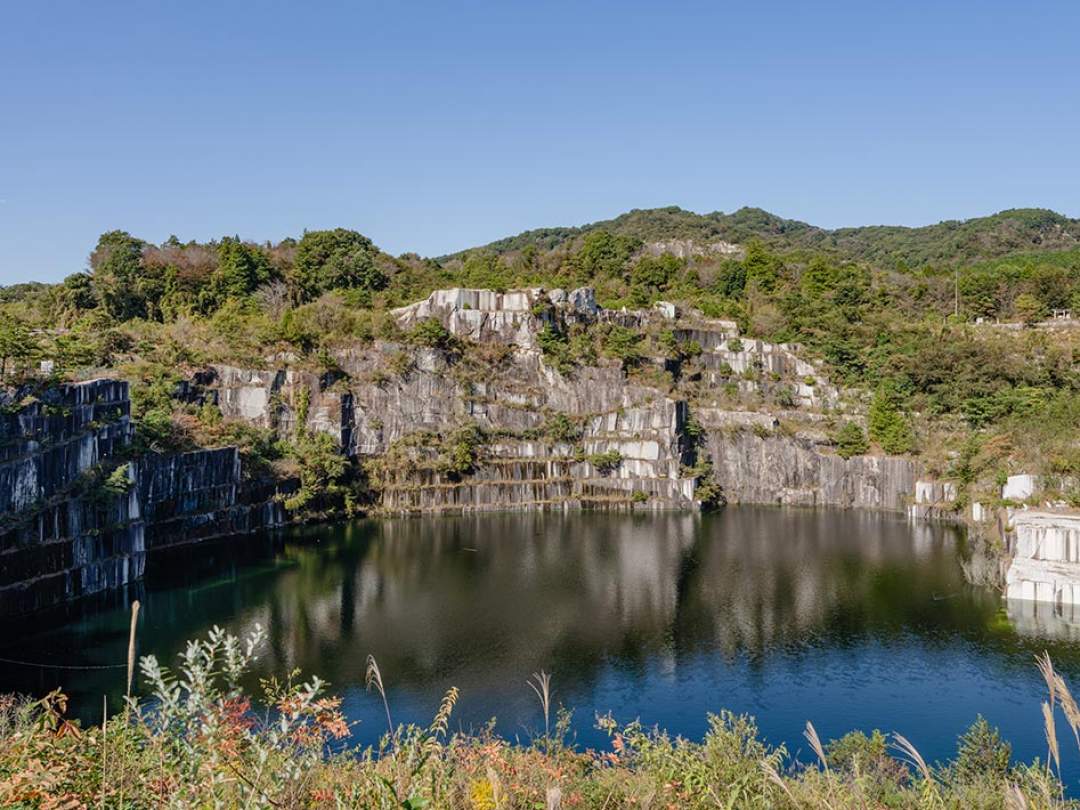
1046 560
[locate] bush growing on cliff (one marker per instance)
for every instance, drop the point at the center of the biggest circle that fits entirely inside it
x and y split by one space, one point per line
460 451
560 428
324 471
431 334
888 426
850 441
605 462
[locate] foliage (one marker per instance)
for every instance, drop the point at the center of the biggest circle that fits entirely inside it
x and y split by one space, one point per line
324 473
850 440
460 451
560 428
605 462
335 259
431 334
887 424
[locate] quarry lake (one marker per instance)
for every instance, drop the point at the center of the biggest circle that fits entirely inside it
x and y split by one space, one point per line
854 620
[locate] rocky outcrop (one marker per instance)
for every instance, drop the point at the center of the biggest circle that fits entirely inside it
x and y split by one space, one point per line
48 438
756 463
389 391
619 453
1045 565
77 522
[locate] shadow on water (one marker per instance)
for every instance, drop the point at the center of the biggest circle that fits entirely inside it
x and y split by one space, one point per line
853 620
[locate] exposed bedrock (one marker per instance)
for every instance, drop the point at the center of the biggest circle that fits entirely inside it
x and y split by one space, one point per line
387 391
76 521
1045 564
756 466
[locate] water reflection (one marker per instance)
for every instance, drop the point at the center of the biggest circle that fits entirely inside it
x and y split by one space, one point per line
854 619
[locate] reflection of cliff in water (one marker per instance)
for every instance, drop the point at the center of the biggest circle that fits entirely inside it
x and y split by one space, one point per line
1042 620
481 602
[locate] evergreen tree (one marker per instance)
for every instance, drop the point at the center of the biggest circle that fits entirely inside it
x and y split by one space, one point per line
888 425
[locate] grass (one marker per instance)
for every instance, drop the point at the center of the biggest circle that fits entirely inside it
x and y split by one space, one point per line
200 741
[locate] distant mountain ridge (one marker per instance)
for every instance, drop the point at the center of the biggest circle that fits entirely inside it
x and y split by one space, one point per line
952 241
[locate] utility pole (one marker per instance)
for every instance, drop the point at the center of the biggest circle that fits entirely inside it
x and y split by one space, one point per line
956 292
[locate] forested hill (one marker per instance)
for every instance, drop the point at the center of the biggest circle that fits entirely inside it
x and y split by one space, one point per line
889 246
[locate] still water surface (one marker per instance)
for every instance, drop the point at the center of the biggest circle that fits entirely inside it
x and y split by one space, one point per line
848 619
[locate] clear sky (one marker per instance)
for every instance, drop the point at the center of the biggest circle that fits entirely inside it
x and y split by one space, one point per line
435 126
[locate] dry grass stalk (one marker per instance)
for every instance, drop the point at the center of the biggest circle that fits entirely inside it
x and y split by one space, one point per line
912 756
1051 737
815 743
1046 667
540 683
131 645
553 798
373 678
441 724
772 776
1068 706
1015 799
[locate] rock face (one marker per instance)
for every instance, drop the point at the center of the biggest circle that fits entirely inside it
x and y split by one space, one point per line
390 394
1046 560
756 465
66 532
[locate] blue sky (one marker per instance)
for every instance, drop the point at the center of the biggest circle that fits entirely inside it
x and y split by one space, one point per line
436 126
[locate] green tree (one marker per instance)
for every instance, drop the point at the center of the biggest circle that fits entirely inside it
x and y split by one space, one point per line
850 441
323 473
603 254
654 272
982 755
888 425
340 258
116 264
77 292
17 345
762 268
242 268
1028 308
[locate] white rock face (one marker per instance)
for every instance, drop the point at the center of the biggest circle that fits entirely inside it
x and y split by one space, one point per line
1019 487
1046 565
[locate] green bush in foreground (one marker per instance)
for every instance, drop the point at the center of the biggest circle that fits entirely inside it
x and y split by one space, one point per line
198 742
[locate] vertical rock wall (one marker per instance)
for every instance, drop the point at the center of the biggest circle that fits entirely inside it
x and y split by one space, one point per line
64 533
1046 560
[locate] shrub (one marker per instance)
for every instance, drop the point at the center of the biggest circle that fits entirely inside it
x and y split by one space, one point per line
560 428
431 334
605 462
887 424
850 441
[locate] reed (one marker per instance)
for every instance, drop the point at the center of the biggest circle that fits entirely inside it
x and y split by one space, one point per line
540 683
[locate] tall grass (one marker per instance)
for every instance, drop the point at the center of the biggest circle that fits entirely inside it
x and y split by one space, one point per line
200 741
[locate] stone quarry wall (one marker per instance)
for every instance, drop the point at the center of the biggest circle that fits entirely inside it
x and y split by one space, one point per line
754 463
1045 565
65 535
388 391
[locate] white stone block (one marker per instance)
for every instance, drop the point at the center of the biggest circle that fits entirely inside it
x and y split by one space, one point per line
1019 487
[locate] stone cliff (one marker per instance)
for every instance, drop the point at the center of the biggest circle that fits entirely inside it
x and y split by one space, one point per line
746 413
77 517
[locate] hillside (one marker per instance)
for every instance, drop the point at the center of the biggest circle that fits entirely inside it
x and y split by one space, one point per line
923 365
887 246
